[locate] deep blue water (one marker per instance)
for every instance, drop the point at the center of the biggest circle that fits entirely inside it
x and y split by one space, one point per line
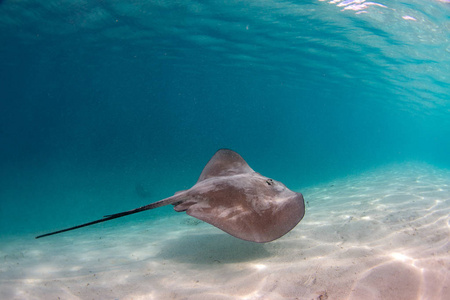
109 105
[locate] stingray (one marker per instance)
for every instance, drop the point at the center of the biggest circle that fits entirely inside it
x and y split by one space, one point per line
232 197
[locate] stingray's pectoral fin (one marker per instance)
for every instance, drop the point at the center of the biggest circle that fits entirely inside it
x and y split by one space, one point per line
115 216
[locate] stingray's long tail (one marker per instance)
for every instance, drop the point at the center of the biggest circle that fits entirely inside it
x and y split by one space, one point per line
160 203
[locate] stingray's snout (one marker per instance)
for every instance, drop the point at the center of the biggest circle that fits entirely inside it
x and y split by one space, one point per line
301 202
300 198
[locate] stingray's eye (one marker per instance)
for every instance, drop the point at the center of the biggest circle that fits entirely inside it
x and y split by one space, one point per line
269 181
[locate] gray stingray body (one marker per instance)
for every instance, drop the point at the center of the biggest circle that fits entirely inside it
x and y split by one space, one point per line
235 199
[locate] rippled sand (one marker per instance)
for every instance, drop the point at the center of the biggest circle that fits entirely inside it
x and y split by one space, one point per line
383 234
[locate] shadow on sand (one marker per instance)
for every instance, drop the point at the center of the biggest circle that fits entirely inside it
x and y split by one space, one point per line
212 248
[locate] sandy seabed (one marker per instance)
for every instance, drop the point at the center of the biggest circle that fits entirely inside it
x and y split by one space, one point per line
383 234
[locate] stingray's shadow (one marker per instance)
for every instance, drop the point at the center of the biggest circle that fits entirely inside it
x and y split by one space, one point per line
212 248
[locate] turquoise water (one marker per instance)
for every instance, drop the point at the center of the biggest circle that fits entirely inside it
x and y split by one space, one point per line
109 105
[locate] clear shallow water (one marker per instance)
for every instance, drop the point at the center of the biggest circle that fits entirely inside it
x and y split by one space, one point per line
381 234
99 98
107 105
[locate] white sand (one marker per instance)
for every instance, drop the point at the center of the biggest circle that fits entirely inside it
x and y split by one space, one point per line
380 235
